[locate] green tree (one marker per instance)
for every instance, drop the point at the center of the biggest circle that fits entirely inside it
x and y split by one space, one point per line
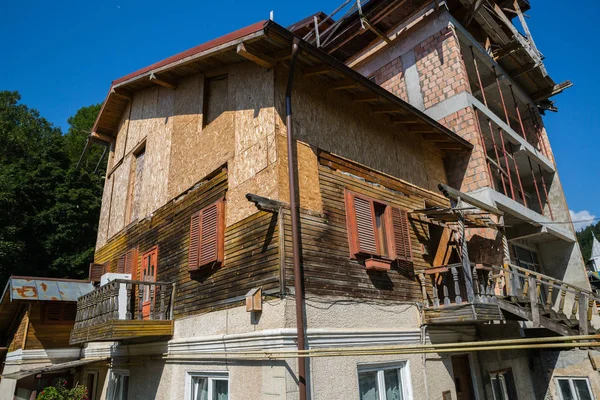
48 209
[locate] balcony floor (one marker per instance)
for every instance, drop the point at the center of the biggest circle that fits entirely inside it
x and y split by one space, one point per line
118 330
462 313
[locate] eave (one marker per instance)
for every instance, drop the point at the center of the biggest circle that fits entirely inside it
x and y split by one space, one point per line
267 44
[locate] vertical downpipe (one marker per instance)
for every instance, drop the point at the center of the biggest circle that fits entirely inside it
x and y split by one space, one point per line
298 283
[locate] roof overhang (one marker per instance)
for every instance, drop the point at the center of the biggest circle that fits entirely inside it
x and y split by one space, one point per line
268 44
54 368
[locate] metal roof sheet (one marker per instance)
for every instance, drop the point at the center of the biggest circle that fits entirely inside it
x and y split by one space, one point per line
47 289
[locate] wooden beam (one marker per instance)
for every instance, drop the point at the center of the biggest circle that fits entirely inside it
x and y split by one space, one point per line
422 129
556 89
260 59
343 84
472 11
281 55
387 109
365 98
101 137
435 137
376 31
318 69
162 82
405 120
120 94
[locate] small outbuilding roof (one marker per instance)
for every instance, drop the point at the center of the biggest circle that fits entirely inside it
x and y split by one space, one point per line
46 289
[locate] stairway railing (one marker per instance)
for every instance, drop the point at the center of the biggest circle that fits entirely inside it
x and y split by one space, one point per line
543 294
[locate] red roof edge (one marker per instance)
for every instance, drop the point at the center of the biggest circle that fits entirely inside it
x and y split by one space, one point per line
195 50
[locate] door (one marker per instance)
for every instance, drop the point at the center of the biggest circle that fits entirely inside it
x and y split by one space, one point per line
463 381
149 265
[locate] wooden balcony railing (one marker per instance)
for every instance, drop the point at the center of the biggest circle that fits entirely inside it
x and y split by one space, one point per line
546 301
124 309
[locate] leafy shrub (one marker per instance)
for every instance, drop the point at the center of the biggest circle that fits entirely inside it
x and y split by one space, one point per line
60 392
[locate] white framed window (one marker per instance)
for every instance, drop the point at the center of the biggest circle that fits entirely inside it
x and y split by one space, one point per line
118 386
207 386
91 383
503 385
384 382
574 388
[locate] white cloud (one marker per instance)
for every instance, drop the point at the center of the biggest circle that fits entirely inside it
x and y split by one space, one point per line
584 216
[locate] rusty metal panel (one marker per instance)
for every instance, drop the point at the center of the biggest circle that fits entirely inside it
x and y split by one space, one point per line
48 289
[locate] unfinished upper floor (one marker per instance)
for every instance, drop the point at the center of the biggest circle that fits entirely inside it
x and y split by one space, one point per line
472 66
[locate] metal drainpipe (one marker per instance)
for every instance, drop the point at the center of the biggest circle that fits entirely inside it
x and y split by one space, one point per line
298 284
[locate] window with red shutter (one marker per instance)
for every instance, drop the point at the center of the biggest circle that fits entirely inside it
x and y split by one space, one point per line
97 270
207 236
376 231
128 263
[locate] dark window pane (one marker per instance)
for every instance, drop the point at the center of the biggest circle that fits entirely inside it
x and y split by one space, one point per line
393 385
565 389
582 389
367 384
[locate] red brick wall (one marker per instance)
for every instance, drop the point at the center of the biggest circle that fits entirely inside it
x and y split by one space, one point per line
391 78
466 172
442 72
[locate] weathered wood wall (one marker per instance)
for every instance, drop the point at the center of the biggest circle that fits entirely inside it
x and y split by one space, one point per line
16 342
43 335
251 251
328 269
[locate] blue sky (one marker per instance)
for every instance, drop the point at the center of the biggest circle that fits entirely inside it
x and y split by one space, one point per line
63 55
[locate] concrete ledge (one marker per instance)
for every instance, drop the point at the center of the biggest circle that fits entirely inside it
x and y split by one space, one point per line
513 136
515 209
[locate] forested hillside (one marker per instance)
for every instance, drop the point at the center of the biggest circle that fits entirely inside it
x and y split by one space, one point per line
585 239
48 208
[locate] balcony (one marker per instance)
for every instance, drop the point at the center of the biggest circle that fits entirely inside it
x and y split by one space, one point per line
125 310
510 292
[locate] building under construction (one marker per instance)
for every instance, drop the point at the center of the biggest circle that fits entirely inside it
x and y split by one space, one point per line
363 205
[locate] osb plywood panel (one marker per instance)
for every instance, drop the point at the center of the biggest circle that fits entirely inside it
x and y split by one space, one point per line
135 120
263 184
196 151
252 88
308 175
120 142
251 251
329 120
158 151
119 196
16 342
104 213
41 335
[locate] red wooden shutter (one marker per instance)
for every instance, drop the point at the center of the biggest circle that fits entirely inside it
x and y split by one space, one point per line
121 265
360 221
130 263
194 241
401 234
96 272
210 247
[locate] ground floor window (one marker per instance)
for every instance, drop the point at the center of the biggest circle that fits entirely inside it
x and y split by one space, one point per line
574 389
383 382
503 385
119 385
91 383
214 386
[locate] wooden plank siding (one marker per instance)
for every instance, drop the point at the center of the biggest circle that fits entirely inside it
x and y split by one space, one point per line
46 335
251 255
328 269
17 340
